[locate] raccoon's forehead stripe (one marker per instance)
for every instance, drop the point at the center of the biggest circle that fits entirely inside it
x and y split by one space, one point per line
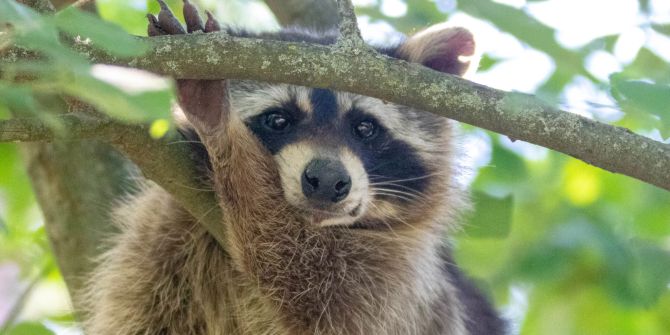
324 106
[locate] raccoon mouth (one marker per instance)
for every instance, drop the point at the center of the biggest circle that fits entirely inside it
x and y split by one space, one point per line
325 218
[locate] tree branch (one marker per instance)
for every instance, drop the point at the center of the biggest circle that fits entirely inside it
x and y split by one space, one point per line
519 116
167 161
348 26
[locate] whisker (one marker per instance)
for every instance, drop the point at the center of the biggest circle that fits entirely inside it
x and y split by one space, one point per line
407 179
409 190
390 191
401 192
395 196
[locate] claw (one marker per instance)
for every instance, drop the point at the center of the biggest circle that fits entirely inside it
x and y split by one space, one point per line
192 17
154 29
212 24
167 21
163 5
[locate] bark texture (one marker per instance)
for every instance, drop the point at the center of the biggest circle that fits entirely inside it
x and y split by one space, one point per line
349 66
75 184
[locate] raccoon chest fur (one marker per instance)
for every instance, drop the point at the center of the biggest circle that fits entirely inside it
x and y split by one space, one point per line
167 275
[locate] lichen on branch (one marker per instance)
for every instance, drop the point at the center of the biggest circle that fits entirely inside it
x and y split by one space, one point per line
519 116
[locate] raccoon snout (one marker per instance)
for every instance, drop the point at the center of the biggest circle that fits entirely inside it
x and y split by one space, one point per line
325 181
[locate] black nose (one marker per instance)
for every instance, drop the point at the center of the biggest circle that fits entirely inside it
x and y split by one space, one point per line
325 180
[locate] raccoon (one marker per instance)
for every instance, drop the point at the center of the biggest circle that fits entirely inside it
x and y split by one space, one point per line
336 208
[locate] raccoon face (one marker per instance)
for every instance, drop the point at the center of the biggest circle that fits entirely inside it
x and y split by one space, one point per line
346 159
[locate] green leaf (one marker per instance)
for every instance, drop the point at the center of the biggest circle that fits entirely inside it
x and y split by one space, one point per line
127 14
13 12
14 188
527 29
116 103
506 168
644 6
601 43
648 278
563 250
104 35
18 98
419 13
128 106
4 111
647 64
662 28
492 217
646 97
486 62
30 328
31 31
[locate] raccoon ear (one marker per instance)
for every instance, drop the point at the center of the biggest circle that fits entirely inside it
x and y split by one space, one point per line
450 50
205 103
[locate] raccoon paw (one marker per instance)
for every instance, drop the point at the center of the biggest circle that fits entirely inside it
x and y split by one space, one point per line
204 102
167 23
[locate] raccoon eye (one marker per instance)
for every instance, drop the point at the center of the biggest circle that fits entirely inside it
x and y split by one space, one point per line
365 129
276 121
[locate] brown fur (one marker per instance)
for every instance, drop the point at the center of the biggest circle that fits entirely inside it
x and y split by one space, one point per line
279 274
167 275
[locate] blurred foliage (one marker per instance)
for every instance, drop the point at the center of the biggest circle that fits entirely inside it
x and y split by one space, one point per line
31 86
644 100
533 33
30 328
563 247
491 216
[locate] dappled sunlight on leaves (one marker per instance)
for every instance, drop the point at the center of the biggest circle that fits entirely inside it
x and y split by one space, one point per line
581 184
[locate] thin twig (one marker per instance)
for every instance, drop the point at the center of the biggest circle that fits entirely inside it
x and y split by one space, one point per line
23 298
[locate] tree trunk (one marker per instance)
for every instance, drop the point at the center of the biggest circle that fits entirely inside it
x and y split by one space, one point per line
75 184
